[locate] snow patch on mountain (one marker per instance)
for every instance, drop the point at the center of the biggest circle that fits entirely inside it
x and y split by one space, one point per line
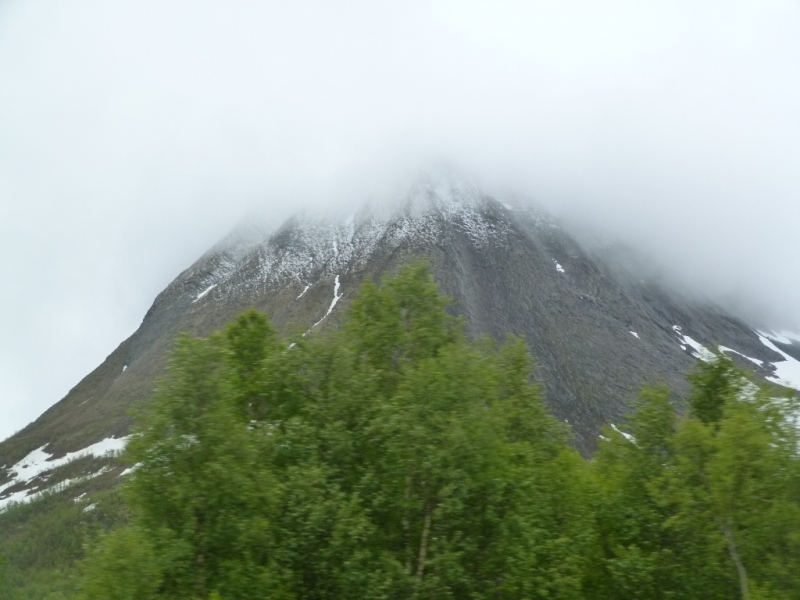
755 361
700 351
303 293
39 462
627 436
336 297
787 371
130 470
310 247
205 291
782 337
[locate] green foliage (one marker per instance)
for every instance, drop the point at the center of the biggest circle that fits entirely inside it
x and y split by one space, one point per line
125 568
397 459
714 384
41 541
635 554
739 476
391 460
704 506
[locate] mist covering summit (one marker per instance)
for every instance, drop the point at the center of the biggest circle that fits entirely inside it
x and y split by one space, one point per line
598 329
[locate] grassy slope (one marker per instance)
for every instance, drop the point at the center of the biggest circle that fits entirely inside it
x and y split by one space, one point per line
42 541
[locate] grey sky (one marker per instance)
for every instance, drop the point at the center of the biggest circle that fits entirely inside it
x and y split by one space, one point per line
134 134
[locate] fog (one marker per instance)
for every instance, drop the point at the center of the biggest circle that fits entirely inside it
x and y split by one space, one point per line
134 134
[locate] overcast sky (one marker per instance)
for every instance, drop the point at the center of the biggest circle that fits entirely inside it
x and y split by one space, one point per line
134 134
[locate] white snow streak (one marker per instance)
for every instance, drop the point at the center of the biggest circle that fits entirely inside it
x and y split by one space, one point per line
627 436
700 351
634 334
204 292
336 296
755 361
305 289
559 268
130 470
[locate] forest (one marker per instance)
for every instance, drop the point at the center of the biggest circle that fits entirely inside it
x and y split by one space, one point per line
396 458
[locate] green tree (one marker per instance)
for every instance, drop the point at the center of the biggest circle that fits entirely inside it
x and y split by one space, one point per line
714 383
702 506
393 459
737 474
637 557
125 567
199 490
398 459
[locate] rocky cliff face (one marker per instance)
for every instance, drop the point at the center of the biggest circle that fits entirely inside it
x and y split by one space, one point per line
598 331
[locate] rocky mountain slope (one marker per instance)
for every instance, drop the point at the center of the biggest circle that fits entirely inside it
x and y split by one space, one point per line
598 330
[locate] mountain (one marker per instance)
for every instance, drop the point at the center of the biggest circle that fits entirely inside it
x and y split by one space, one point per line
598 327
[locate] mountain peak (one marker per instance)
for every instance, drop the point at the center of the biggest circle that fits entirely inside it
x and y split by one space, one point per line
597 333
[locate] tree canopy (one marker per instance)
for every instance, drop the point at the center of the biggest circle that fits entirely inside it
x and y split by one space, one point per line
395 458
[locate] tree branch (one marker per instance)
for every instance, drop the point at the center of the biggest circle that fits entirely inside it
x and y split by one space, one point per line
737 561
423 543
